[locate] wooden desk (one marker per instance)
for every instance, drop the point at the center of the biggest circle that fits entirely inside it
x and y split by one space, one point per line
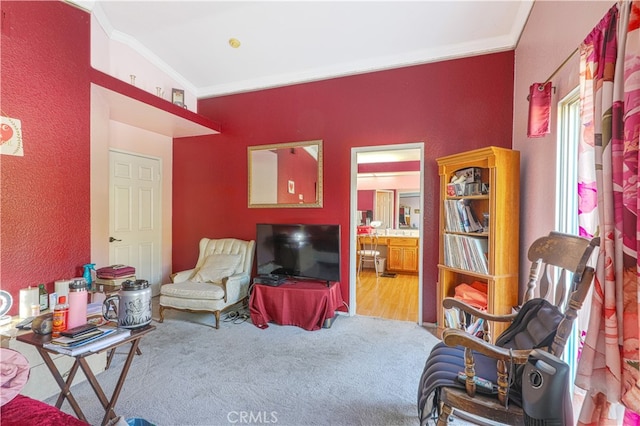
38 340
311 305
402 252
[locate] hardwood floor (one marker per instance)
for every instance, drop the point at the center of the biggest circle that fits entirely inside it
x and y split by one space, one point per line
391 298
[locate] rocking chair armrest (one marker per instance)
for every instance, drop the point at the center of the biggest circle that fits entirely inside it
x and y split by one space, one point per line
452 302
505 360
455 337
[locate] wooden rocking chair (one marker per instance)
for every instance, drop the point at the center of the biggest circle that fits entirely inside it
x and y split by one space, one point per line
559 269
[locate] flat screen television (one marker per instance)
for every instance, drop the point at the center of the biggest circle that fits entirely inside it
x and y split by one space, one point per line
298 250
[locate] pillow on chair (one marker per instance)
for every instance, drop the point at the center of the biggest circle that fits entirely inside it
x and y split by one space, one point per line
216 267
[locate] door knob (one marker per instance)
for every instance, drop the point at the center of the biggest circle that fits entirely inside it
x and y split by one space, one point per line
111 239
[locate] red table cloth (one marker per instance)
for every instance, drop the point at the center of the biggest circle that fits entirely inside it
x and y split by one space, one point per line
305 304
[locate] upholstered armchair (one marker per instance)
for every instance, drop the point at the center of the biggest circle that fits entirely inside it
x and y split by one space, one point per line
219 280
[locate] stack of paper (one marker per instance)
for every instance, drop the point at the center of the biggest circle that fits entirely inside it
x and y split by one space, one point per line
83 339
94 308
108 337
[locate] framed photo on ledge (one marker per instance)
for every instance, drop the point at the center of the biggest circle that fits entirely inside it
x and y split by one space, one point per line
177 97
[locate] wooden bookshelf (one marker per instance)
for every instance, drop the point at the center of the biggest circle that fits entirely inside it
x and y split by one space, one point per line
492 193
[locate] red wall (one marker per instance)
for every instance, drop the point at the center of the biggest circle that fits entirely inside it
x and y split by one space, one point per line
45 214
451 106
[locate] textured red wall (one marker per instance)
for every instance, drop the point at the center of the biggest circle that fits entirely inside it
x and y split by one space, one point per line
45 212
451 106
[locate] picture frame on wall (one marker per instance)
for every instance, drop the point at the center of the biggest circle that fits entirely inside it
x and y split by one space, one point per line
177 97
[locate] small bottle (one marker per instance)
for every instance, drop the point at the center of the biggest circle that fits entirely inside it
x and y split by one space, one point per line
35 309
88 275
44 297
78 296
60 316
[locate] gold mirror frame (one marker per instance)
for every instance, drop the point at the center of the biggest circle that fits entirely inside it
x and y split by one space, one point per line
264 169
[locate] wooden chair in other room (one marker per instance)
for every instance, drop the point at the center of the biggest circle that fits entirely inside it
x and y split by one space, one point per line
368 251
543 323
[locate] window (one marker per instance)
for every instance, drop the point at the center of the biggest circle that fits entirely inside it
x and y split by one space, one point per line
567 199
567 166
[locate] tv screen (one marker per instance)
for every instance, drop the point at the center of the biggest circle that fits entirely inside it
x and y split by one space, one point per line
298 250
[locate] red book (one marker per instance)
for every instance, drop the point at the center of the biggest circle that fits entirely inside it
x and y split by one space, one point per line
115 271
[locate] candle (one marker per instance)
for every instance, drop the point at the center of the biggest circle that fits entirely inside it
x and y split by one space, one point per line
28 296
62 287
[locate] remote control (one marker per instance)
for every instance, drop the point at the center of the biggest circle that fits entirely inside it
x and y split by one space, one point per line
25 323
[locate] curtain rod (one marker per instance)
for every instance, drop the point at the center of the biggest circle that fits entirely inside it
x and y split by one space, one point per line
553 74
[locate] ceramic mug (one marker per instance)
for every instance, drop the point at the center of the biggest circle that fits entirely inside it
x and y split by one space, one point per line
133 307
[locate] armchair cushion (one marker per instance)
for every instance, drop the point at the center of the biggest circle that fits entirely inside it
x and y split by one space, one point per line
218 266
194 290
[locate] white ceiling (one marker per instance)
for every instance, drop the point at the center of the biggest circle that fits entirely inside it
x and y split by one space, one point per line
286 42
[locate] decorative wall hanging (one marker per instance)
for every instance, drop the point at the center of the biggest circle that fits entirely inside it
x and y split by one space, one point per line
177 97
11 137
539 109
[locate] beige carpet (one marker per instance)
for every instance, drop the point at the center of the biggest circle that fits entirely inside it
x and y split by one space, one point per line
361 371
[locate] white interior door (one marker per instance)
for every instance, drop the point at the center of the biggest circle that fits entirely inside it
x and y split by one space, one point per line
383 210
134 214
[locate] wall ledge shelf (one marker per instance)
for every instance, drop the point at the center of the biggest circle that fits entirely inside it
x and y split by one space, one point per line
131 105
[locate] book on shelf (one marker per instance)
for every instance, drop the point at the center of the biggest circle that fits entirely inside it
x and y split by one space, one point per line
468 323
451 318
474 225
466 252
108 337
464 214
476 327
460 217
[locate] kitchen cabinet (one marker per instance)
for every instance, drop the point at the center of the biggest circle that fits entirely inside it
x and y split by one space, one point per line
402 254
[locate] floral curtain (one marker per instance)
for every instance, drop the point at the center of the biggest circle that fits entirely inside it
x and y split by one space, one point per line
608 193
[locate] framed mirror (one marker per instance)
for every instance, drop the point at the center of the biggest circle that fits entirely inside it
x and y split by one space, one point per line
285 175
408 209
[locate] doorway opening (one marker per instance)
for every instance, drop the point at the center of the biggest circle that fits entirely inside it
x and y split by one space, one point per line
380 176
